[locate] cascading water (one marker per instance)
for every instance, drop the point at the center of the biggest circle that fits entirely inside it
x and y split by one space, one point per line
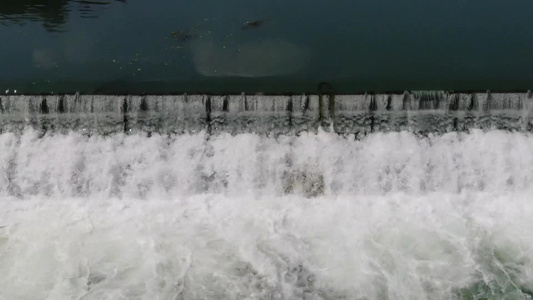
420 112
147 198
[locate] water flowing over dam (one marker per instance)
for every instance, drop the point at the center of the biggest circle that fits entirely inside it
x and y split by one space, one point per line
418 112
422 195
266 150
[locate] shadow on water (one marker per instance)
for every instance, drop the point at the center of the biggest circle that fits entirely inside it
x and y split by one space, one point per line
52 13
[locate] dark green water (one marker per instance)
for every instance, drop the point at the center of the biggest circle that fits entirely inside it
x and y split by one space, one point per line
275 46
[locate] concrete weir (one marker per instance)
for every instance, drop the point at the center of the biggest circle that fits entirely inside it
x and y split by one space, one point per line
419 112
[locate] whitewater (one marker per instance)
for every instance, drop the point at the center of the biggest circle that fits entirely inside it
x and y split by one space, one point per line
309 216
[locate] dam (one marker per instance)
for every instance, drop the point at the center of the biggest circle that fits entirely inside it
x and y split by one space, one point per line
266 150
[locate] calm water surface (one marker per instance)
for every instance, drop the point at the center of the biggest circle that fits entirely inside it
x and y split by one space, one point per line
264 46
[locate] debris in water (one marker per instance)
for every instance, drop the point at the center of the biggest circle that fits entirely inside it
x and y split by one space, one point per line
253 24
182 36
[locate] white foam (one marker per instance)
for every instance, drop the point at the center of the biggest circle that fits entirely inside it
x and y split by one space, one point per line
397 217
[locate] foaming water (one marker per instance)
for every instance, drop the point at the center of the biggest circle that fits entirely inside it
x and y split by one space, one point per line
315 216
135 166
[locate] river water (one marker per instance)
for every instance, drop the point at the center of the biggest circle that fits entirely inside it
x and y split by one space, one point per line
111 46
313 216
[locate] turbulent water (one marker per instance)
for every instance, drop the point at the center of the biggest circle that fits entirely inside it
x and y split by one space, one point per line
313 216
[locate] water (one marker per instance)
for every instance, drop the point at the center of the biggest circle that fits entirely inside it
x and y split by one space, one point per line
105 46
314 216
420 112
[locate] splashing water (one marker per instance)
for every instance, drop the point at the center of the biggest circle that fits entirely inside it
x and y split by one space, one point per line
314 216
